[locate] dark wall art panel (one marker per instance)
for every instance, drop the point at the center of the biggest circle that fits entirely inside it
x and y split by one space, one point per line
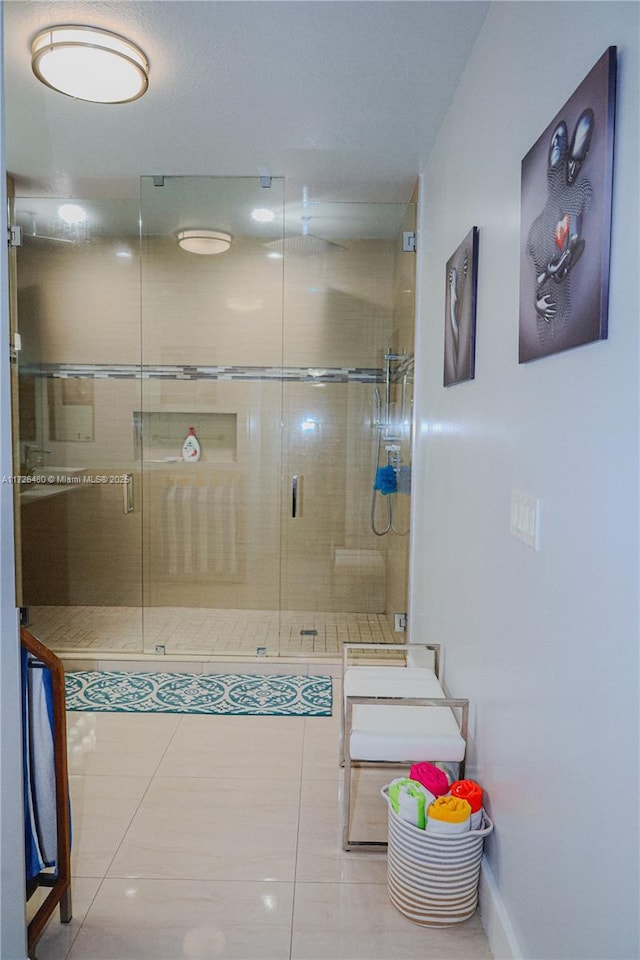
566 221
460 311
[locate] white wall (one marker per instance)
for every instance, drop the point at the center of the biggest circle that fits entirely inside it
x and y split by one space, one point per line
12 906
544 644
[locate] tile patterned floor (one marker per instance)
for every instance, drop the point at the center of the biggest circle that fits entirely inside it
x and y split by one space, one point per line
219 837
203 631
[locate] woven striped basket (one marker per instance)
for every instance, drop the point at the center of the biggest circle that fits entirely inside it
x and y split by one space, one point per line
433 878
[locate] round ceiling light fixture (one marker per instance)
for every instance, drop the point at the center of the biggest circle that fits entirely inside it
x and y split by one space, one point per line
204 242
72 213
263 215
88 63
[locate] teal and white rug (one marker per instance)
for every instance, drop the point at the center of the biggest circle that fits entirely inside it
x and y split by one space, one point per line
228 694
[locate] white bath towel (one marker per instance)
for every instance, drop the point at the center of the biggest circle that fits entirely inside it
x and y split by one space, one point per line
201 530
410 800
476 819
446 826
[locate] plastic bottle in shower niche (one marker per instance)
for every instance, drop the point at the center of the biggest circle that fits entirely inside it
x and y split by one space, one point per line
191 448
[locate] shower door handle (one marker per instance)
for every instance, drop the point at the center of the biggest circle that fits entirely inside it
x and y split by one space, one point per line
296 496
127 493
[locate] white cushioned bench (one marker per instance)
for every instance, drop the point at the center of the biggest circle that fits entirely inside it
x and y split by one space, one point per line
397 715
388 679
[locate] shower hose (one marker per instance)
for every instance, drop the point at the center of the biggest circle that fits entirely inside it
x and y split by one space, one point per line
390 526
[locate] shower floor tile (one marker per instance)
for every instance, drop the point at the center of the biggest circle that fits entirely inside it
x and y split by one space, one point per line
203 631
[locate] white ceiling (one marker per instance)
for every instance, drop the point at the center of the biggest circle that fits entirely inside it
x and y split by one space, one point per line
343 97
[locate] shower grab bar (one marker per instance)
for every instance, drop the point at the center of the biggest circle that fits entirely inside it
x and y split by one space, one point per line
127 493
296 495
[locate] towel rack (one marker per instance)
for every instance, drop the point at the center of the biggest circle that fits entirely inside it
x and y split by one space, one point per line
60 881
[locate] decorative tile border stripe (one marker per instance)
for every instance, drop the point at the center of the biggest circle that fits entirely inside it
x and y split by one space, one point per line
133 371
231 694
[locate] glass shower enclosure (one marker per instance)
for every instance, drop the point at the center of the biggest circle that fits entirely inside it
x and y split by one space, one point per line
275 352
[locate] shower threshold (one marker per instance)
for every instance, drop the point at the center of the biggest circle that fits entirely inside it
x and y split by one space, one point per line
199 632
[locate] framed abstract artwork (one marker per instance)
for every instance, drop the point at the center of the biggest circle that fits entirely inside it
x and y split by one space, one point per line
566 191
461 277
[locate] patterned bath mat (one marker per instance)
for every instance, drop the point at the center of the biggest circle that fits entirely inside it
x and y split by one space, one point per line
229 694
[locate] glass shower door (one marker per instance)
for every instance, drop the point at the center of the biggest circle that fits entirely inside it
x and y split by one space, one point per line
275 350
78 371
212 282
349 303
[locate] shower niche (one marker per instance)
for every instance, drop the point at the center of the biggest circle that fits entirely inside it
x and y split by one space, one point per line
158 435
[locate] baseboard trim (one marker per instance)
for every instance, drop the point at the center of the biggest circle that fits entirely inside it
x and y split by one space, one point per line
495 919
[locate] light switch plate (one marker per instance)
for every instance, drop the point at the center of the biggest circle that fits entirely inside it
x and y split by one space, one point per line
525 518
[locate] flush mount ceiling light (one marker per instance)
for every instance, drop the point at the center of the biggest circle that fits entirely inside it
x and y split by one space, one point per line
88 63
263 215
72 213
205 242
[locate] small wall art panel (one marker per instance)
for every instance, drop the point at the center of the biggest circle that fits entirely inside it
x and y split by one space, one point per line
461 277
566 221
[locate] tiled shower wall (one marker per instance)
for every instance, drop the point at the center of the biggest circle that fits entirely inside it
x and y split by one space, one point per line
205 322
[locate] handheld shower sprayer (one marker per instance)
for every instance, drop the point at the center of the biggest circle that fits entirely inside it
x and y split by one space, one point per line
391 434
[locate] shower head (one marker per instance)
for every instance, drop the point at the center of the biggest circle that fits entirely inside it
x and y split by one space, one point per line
303 245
